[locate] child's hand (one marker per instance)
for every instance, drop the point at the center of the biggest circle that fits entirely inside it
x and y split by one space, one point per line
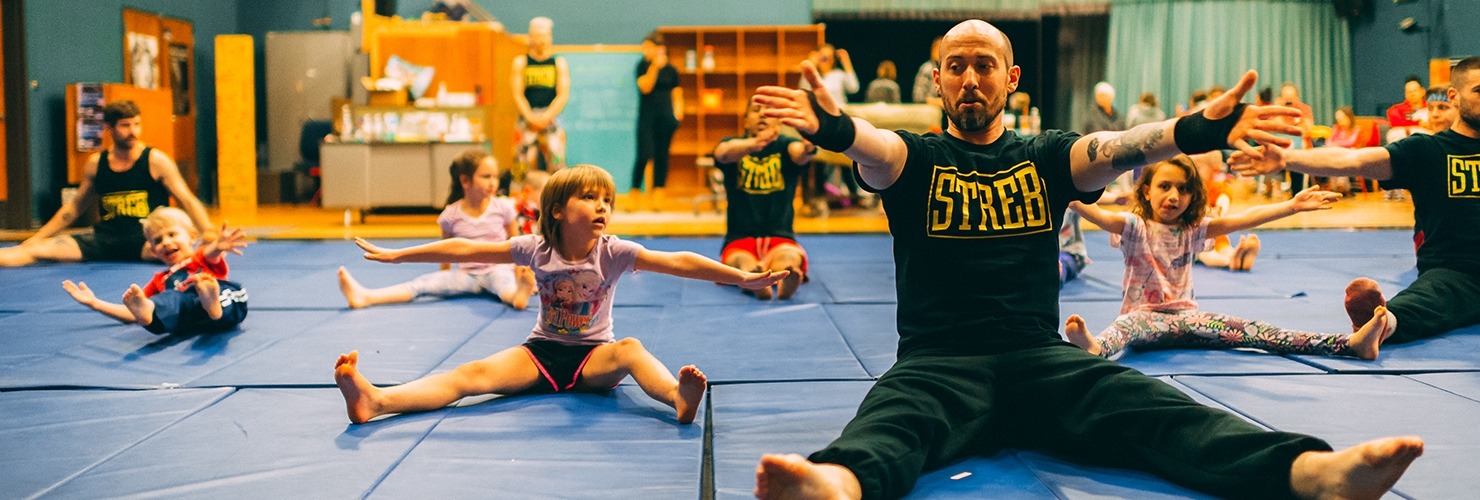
757 281
228 240
376 253
80 292
1313 199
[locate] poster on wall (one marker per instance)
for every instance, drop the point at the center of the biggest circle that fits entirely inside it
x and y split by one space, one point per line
143 60
180 78
89 117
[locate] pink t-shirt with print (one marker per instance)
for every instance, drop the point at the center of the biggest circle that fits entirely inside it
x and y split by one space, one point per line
1158 264
492 226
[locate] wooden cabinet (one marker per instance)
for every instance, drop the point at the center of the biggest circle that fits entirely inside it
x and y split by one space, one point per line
744 58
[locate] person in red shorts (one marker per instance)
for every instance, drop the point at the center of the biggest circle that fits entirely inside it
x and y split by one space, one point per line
762 170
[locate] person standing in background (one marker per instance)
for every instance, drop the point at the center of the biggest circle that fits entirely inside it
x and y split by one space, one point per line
659 112
541 89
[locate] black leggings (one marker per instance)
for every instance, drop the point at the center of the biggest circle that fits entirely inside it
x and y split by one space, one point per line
931 409
1440 300
653 142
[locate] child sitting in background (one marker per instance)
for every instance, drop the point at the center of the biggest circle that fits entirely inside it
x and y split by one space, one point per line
527 201
572 346
1159 237
472 212
190 297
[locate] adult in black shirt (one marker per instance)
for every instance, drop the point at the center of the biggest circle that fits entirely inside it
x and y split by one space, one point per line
126 182
659 111
541 88
980 362
762 170
1443 173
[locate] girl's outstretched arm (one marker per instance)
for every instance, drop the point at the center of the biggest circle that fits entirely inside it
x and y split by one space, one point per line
1111 222
448 250
1305 201
694 266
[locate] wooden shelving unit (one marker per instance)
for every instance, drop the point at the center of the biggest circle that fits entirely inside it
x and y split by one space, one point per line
745 57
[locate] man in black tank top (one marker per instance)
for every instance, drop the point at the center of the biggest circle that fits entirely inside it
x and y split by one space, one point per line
541 89
126 182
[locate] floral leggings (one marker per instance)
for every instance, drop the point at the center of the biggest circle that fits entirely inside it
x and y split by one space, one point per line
1197 329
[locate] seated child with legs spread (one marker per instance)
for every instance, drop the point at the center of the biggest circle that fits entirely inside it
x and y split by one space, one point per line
473 212
193 295
572 346
1160 238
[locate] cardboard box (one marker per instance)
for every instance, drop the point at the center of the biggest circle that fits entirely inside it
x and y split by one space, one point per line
388 97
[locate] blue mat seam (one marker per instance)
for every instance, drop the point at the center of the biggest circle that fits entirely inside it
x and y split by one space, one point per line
442 417
258 350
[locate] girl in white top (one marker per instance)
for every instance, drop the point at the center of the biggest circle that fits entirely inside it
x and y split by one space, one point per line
572 346
1160 237
473 212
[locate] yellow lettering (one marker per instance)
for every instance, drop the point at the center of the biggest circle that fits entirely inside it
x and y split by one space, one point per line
940 212
1012 213
539 75
1033 202
1464 176
762 175
989 215
134 204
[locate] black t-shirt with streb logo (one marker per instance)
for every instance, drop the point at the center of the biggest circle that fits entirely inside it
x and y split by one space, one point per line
125 198
759 190
541 78
976 240
1443 172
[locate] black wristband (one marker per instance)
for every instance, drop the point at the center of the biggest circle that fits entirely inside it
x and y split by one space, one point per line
1195 133
834 133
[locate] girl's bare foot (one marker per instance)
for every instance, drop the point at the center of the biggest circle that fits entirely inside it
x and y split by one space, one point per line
789 284
1244 254
139 304
524 276
1362 297
688 394
1077 334
1366 470
209 291
791 476
359 394
353 292
1365 342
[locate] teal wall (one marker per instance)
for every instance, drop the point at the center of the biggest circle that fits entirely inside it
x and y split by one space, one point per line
585 22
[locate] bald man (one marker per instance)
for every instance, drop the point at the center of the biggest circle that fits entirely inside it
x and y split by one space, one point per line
980 363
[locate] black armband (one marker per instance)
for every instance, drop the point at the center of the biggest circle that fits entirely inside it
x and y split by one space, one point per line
1195 133
834 133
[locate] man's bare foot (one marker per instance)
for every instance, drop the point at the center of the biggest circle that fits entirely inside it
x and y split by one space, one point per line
1366 470
690 391
1362 297
209 291
789 284
1077 334
353 292
524 276
359 394
1244 254
139 304
792 476
1365 342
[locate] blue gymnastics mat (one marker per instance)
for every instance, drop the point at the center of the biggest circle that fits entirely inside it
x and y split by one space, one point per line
257 415
1349 409
50 437
620 444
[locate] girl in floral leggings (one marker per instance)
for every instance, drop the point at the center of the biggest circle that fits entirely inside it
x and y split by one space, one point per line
1160 237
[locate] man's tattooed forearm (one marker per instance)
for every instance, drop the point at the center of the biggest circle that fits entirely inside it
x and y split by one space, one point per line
1129 150
1094 144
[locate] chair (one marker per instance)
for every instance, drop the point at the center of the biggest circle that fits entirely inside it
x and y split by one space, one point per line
714 182
312 135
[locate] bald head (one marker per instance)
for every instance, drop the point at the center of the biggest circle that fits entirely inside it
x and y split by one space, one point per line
976 29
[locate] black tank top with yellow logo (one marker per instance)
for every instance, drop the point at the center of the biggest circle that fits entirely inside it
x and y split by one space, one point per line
539 81
125 198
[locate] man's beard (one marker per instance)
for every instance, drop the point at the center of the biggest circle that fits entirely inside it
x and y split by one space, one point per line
973 121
